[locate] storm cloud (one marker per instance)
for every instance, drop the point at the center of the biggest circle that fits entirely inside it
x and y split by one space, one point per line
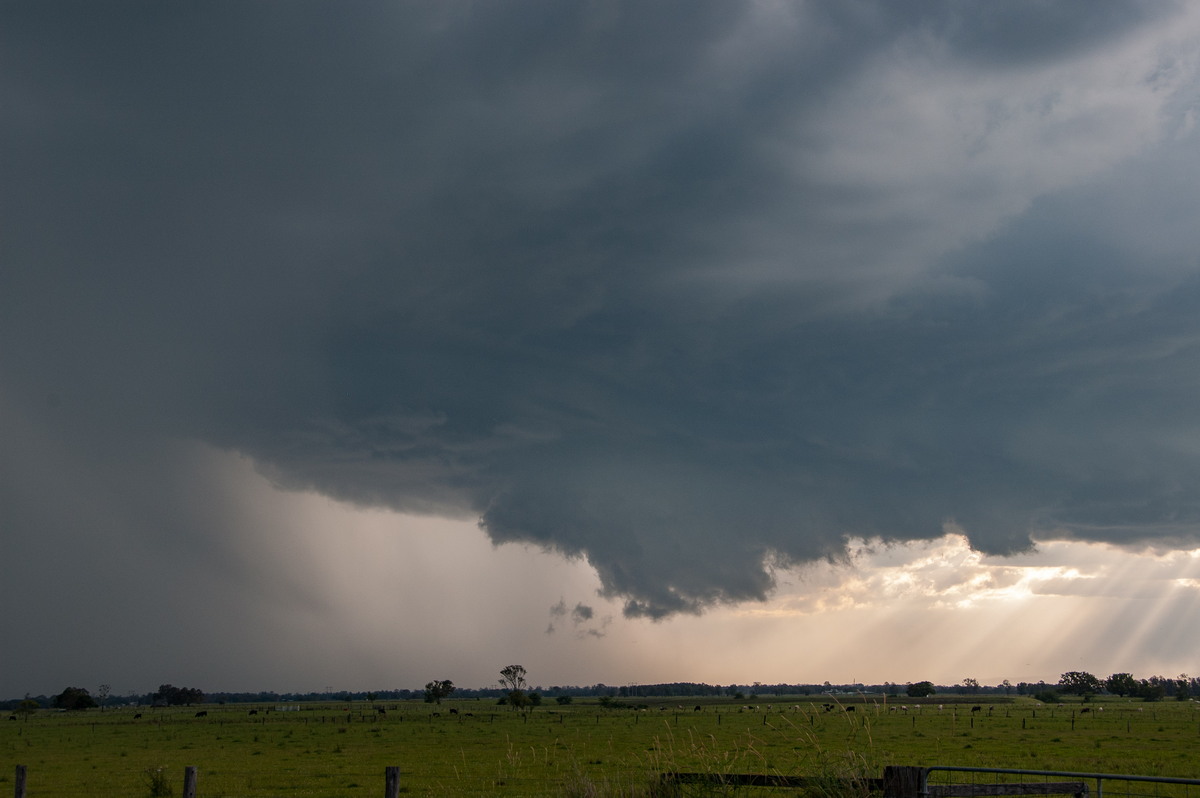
693 291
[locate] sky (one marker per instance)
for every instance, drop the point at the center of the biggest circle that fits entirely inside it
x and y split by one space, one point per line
351 346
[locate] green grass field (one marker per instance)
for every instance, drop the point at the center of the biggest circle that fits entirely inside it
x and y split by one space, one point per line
335 750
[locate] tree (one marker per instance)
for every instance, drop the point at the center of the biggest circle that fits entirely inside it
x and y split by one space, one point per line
1150 690
921 690
74 698
102 694
512 679
1121 684
175 696
1079 683
970 685
1183 687
435 691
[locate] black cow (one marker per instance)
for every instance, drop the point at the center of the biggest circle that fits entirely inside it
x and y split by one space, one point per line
202 713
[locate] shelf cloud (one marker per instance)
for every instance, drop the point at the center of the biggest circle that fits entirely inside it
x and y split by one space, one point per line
690 291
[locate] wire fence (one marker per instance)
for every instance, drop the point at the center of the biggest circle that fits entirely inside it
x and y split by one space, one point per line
896 782
964 782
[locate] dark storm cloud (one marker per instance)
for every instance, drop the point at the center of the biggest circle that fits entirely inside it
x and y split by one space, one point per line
621 281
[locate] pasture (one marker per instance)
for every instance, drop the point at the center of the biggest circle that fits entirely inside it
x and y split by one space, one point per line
332 750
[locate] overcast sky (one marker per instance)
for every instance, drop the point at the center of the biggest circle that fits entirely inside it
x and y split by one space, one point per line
356 345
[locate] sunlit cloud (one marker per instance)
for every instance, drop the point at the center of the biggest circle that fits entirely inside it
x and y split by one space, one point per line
947 573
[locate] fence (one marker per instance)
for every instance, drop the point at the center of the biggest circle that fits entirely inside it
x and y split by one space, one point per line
1124 785
914 782
897 782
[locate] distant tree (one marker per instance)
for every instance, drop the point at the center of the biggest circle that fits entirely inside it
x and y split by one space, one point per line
920 689
563 699
435 691
1046 696
535 699
74 698
177 696
1121 684
1150 690
512 679
28 706
1079 683
102 693
1007 685
970 685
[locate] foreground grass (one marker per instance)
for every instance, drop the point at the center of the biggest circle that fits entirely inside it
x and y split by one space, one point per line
331 751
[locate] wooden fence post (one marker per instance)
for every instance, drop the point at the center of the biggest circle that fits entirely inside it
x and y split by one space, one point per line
19 788
391 782
189 782
903 782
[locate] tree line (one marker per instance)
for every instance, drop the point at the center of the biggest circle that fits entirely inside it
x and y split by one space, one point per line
514 689
1155 688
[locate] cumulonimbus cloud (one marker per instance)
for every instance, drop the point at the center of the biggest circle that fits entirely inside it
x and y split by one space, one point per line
692 295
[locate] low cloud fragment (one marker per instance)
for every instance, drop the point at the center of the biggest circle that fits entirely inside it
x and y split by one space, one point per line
584 622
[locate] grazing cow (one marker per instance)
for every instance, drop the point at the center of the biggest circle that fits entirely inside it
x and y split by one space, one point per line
202 713
381 710
849 709
1085 709
976 709
453 711
697 709
437 714
138 715
254 712
12 717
